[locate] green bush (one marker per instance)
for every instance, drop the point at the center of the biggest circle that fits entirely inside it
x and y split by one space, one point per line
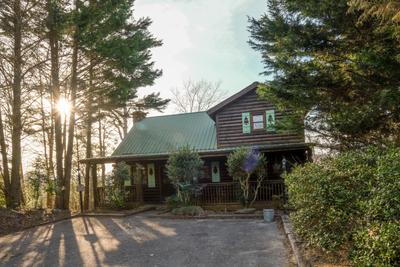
173 201
38 182
114 187
378 242
377 245
120 174
326 196
184 170
351 201
384 201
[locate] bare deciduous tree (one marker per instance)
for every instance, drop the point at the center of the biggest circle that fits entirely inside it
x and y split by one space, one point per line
195 96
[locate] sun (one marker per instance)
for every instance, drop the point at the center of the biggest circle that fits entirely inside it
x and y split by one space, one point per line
63 106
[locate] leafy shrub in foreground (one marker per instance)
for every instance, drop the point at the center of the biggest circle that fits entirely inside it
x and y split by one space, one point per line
326 197
377 243
351 201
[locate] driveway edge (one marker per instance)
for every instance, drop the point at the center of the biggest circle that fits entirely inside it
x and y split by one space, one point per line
288 228
117 214
180 217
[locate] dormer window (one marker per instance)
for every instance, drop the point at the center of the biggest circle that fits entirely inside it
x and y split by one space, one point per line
258 122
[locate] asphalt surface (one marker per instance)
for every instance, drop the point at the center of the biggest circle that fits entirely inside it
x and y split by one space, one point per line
142 241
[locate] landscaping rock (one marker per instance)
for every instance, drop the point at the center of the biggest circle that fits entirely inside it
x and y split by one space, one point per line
11 220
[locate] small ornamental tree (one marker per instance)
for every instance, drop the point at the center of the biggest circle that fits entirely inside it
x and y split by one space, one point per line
120 174
242 165
184 169
37 181
115 185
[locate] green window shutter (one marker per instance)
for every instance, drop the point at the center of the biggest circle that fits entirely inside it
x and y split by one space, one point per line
215 174
151 175
246 126
270 120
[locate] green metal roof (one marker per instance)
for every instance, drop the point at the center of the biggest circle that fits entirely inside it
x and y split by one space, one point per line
165 134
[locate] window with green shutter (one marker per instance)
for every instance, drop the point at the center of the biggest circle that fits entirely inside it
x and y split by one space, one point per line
270 120
246 126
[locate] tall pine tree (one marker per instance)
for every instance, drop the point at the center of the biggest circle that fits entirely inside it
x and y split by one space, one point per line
117 47
319 57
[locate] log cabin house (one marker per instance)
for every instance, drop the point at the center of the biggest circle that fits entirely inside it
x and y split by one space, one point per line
240 120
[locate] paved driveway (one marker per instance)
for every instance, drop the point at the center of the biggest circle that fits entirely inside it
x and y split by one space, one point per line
143 241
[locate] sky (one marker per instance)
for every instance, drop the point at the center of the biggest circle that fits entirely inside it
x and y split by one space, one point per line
202 39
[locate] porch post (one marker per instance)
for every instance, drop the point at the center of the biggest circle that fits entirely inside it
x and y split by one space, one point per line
92 190
94 176
139 184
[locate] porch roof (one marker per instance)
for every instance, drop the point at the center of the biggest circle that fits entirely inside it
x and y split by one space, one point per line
165 134
203 154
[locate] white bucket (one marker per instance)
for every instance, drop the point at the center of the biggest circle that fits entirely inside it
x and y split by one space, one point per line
268 215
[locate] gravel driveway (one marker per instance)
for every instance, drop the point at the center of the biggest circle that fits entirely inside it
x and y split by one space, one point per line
143 241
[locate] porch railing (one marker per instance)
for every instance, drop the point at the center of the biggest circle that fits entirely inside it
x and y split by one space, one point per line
211 193
103 201
217 193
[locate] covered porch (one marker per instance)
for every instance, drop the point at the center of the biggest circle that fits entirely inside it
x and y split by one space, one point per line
149 183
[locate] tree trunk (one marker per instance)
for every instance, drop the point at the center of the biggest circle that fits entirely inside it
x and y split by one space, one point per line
125 121
4 159
50 137
47 155
71 124
16 160
88 155
88 136
55 82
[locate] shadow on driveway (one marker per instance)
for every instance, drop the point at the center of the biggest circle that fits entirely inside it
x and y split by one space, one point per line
142 241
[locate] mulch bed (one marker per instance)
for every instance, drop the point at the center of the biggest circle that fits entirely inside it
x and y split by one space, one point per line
310 256
12 221
318 258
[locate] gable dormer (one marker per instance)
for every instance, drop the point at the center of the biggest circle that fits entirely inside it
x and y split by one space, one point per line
245 120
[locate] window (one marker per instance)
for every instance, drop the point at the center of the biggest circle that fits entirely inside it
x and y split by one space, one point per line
258 122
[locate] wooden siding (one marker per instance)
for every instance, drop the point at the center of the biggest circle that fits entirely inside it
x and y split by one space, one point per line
229 124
